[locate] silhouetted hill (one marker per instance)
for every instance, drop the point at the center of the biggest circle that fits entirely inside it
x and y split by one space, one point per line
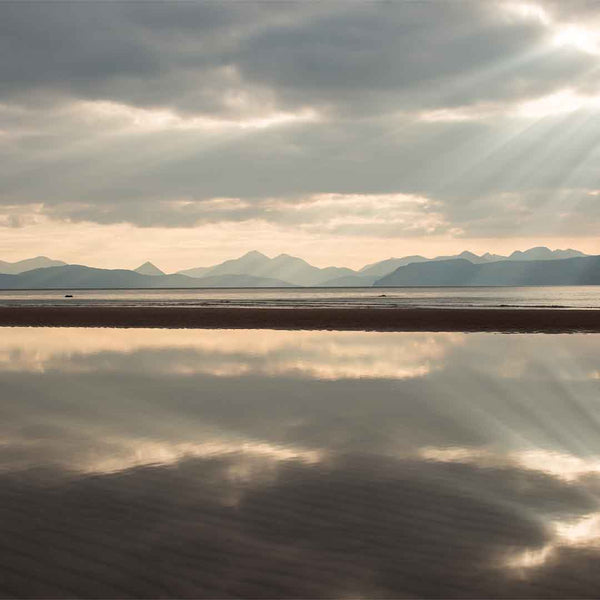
81 277
389 265
149 269
384 267
29 264
461 272
255 269
284 267
194 272
543 253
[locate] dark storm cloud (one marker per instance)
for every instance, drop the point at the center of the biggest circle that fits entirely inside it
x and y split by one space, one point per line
417 55
360 57
66 47
373 75
146 54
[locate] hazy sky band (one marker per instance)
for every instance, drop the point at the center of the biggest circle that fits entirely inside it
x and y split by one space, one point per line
187 133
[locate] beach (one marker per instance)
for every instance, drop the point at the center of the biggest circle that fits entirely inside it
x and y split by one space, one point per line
506 320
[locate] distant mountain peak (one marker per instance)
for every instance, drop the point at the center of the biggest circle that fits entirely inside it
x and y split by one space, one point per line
29 264
544 253
149 269
254 254
288 258
535 250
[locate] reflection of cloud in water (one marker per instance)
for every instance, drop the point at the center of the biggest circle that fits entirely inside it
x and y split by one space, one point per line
580 531
384 465
136 453
360 526
125 453
226 353
566 356
556 464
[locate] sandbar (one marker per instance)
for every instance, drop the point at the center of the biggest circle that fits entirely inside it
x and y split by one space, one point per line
507 320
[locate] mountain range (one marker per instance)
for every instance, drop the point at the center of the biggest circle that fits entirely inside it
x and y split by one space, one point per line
460 272
255 269
285 267
82 277
39 262
298 272
384 267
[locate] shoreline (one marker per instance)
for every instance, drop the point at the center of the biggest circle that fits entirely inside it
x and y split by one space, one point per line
504 320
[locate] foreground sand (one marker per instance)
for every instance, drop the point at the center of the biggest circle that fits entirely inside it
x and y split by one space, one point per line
375 319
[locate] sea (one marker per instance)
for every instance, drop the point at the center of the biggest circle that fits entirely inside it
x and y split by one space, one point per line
198 463
559 297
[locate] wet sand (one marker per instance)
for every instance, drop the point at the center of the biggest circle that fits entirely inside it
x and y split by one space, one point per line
511 320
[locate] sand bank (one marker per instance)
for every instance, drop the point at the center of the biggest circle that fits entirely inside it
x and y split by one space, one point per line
374 319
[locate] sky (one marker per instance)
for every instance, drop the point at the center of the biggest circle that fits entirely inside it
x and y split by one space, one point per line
188 133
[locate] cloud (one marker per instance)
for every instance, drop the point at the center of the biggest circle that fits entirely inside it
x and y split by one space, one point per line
379 215
231 113
228 59
133 54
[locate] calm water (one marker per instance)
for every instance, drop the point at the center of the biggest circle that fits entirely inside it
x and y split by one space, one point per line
558 297
197 463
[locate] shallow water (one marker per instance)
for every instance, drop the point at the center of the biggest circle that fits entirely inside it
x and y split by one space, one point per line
198 463
457 297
